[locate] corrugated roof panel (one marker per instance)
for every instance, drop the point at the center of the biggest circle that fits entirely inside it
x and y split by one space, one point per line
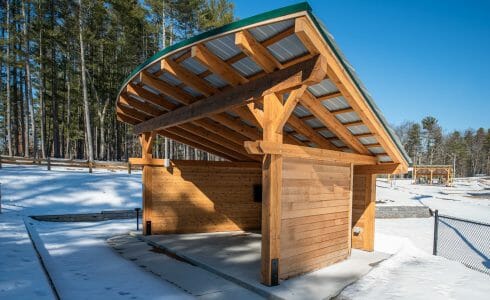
288 128
368 140
194 66
169 78
191 91
338 143
376 150
178 54
232 114
172 100
349 150
300 137
314 123
287 49
335 103
348 117
248 122
153 68
358 129
326 133
150 89
323 88
216 81
265 32
384 158
247 67
312 145
301 111
224 47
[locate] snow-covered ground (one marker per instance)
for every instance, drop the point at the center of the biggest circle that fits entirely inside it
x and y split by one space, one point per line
469 197
83 266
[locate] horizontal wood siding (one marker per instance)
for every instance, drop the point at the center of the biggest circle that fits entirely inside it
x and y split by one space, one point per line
204 197
363 211
315 224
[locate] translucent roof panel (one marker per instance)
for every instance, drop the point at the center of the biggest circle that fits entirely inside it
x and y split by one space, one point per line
338 143
288 128
194 66
326 133
301 111
335 103
348 117
191 91
384 158
314 123
216 81
247 67
376 150
323 88
153 68
224 47
368 140
169 78
358 129
287 49
300 137
262 33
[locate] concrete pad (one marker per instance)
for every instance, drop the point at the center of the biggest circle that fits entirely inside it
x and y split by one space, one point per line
190 278
236 257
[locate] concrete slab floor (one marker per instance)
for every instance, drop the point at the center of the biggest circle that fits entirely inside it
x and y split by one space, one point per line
236 257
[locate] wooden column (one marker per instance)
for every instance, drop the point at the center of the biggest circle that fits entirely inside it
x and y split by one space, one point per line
364 208
271 194
146 140
431 172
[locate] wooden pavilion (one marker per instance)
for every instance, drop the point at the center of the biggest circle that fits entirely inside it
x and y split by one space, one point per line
303 140
440 174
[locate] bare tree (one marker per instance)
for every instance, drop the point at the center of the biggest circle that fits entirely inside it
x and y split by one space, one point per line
86 108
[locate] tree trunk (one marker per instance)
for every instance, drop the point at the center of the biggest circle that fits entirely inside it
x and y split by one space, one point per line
28 80
86 108
54 98
9 121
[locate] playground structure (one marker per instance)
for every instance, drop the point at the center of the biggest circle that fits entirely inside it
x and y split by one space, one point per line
433 174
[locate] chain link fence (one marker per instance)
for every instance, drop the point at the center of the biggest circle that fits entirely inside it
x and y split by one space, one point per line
463 240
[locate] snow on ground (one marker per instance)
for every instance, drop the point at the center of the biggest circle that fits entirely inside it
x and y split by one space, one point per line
469 197
414 274
84 266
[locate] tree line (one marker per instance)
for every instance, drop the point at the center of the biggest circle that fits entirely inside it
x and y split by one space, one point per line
62 63
426 143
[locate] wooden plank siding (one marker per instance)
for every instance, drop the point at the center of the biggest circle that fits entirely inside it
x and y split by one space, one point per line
315 209
363 211
203 197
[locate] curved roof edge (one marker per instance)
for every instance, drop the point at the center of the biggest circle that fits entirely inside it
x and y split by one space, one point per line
280 12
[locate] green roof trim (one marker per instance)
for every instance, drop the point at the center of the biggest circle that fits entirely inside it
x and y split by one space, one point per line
280 12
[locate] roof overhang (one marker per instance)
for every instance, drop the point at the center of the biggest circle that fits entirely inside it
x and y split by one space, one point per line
208 91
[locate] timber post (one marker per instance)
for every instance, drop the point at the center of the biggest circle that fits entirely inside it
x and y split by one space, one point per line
271 195
146 140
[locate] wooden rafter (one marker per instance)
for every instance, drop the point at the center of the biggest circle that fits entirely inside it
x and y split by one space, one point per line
216 65
294 76
333 124
265 147
339 76
165 88
256 51
301 128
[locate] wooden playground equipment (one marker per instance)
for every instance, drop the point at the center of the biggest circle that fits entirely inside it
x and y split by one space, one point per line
443 174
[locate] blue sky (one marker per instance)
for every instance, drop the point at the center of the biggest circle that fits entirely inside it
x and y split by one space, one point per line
417 58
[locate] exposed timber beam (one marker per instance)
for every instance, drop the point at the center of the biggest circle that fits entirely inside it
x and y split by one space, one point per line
188 77
131 112
165 88
288 107
148 96
388 168
333 124
258 53
313 41
308 72
301 128
264 147
216 65
150 110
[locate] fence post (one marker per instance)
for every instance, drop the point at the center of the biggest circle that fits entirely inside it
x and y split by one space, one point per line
436 231
49 163
129 168
89 166
137 209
